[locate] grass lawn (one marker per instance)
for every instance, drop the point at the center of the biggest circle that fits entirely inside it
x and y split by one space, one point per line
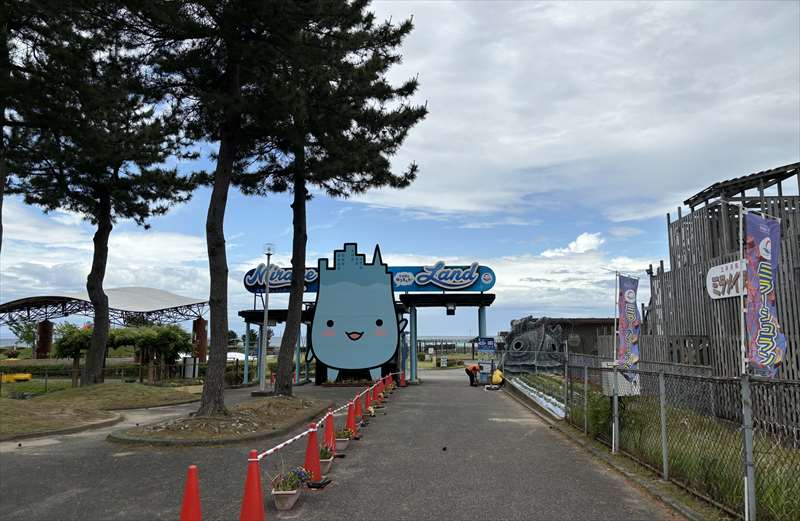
75 406
263 415
35 386
450 358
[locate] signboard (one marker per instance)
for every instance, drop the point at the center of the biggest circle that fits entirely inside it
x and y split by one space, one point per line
726 280
766 343
443 361
436 277
486 344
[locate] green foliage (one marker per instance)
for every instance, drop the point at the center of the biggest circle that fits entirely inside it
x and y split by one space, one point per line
420 357
291 480
344 434
71 340
166 341
325 452
24 330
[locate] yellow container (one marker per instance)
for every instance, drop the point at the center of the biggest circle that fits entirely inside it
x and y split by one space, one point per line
16 377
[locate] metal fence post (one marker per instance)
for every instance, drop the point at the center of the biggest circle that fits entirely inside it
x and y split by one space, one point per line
615 416
566 390
662 398
586 399
747 434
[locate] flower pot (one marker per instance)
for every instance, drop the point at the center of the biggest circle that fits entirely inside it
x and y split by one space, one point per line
341 444
285 499
325 465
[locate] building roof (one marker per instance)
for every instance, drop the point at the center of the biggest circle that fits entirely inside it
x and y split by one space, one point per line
150 304
737 185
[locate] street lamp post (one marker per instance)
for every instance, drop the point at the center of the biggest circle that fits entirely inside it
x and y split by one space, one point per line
269 248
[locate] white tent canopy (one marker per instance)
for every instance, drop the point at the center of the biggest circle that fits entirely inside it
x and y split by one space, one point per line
149 304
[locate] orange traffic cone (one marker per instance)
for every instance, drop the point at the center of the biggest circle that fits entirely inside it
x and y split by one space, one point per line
402 378
351 420
367 399
391 381
253 500
312 455
190 509
359 414
330 436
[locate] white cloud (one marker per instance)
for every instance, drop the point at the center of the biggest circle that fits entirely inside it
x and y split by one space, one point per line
624 232
584 243
627 108
579 282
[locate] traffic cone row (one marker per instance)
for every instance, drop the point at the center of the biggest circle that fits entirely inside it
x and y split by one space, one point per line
253 499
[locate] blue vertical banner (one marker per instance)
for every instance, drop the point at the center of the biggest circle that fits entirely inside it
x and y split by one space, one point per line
629 323
766 344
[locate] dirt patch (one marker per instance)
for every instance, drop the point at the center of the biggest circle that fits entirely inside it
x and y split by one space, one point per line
254 417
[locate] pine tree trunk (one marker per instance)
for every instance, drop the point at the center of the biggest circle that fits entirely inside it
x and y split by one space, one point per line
93 370
283 381
213 399
5 75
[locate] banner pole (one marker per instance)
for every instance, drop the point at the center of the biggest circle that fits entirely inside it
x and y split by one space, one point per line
615 340
742 309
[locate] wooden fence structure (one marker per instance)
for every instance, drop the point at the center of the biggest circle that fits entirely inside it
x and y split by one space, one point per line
682 323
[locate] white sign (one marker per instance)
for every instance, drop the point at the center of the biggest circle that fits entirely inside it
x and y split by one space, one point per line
726 280
442 361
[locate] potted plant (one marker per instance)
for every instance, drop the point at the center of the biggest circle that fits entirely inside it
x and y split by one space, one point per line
286 487
325 459
343 438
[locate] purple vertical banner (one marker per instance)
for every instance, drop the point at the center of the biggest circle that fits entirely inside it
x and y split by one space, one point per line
766 344
629 323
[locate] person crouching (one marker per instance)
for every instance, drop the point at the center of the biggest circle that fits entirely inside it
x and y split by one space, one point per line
472 371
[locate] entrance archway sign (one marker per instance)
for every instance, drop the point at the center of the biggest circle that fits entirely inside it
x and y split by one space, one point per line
356 324
436 277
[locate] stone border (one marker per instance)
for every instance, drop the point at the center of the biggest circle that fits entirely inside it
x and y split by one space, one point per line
182 402
66 430
120 437
671 502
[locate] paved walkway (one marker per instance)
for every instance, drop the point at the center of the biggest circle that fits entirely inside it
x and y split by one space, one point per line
500 462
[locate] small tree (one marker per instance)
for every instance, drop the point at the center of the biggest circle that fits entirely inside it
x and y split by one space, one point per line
100 149
25 331
70 342
233 338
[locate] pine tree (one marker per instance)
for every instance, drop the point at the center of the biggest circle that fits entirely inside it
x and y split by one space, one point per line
96 143
343 122
218 58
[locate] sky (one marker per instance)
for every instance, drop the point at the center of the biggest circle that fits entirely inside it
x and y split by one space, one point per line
559 135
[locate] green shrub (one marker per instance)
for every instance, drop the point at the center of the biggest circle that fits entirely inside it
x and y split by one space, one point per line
420 357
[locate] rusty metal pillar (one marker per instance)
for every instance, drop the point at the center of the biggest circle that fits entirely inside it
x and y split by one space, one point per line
44 339
200 337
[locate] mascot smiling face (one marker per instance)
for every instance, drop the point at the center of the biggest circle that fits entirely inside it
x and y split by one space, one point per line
355 324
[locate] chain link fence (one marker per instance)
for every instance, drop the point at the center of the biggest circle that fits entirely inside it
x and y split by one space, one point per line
697 431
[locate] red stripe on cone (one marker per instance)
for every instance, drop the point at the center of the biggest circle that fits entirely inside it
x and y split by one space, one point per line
312 455
368 399
330 435
253 500
190 509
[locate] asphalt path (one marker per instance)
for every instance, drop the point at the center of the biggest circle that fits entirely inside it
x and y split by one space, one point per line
442 450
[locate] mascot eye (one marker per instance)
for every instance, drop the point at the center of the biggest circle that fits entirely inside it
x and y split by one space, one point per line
379 322
329 323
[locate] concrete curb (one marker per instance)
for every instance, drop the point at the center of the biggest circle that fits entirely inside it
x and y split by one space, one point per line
121 437
557 425
182 402
67 430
